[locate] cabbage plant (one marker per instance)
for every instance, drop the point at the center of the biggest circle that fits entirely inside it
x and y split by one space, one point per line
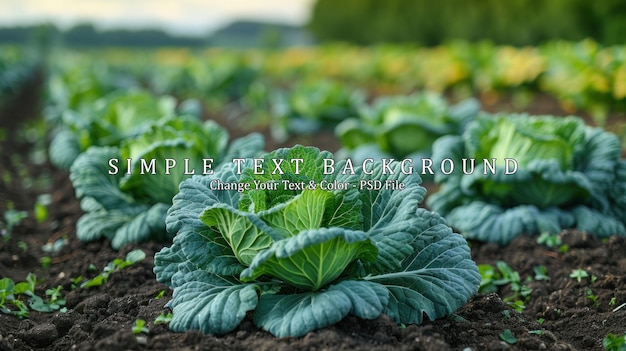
108 121
565 175
311 106
300 248
403 126
127 202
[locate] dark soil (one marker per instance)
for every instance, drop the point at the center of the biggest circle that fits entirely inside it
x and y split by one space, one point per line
101 318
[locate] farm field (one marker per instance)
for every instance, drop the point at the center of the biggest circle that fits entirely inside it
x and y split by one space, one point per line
555 290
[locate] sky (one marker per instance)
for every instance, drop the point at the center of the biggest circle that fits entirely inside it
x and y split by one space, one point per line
178 17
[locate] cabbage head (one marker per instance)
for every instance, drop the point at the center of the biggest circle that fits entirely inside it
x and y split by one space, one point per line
403 126
542 173
106 122
298 252
126 202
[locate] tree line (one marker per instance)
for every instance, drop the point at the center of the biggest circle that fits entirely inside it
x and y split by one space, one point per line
428 22
87 35
236 34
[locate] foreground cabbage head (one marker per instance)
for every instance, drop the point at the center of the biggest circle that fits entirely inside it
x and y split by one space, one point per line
566 175
302 257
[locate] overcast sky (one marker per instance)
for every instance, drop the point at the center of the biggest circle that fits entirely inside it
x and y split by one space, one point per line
184 17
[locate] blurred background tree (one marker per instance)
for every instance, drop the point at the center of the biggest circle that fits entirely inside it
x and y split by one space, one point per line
427 22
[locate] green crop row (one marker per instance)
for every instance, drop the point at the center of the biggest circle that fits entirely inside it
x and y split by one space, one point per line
582 75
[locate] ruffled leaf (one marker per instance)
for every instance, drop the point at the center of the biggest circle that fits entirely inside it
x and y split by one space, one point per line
436 280
297 314
206 305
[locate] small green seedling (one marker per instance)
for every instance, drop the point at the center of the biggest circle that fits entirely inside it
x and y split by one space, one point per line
12 296
517 305
41 212
46 262
579 274
55 301
22 245
512 277
113 266
27 287
54 294
508 337
22 309
614 342
549 239
12 218
164 318
552 240
41 207
558 312
56 245
160 295
76 281
6 294
140 327
491 279
593 297
98 280
541 273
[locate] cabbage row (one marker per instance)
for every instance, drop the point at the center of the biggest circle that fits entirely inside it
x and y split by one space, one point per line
581 75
